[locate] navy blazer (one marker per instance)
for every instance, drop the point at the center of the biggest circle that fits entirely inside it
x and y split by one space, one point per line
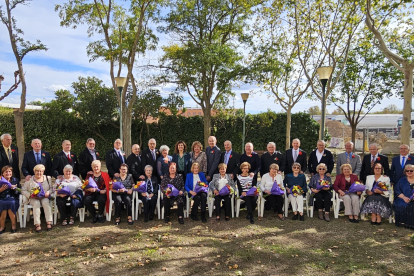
135 166
190 178
366 166
287 161
4 160
148 159
233 165
327 159
187 162
61 160
85 162
213 160
113 163
396 172
29 162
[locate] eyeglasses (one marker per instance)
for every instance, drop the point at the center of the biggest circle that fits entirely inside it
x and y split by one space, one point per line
322 169
377 168
409 171
296 167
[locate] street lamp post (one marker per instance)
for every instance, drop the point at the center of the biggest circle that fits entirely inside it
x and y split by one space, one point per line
324 75
120 83
244 96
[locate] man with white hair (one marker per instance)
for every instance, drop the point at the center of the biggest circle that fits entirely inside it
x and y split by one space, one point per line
271 156
370 160
134 164
398 163
213 154
295 154
63 158
231 159
349 157
35 157
150 156
9 154
87 156
320 155
114 158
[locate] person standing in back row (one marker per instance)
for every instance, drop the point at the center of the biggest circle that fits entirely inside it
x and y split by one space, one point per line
294 155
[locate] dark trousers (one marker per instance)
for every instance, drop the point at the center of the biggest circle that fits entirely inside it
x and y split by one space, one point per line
149 204
275 202
63 209
118 200
250 203
226 204
323 200
167 207
96 196
200 197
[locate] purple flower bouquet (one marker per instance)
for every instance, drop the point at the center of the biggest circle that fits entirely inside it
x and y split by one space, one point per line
64 190
276 190
141 187
171 191
201 187
323 184
225 190
3 181
356 187
252 192
117 186
92 184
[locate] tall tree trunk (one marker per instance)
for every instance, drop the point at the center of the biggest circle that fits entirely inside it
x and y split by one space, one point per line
353 132
288 126
207 123
18 122
126 130
408 98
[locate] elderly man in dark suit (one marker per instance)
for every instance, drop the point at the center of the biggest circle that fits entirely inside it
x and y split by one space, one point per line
63 158
9 154
231 159
114 158
370 159
149 157
295 154
213 154
35 157
87 156
271 156
320 155
134 164
398 163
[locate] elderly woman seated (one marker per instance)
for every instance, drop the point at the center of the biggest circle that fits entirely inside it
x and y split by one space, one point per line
296 179
150 197
323 197
218 182
266 184
36 192
9 198
102 180
176 180
403 203
342 184
201 197
123 195
73 194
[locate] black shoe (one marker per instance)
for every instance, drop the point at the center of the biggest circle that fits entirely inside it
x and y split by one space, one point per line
351 220
151 218
194 217
217 219
181 220
373 223
167 219
227 218
13 231
281 218
94 219
130 222
378 223
248 217
356 220
302 218
2 231
251 220
295 217
117 221
102 219
203 219
146 218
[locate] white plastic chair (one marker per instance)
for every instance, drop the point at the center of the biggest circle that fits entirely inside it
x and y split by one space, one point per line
82 212
26 208
261 204
390 196
313 207
56 213
210 203
134 206
338 204
161 208
238 202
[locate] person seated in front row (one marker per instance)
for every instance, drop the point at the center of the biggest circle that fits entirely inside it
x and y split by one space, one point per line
244 183
9 199
123 195
191 182
296 179
150 197
218 182
323 197
274 201
177 181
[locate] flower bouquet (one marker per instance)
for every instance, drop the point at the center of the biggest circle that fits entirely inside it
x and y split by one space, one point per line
117 186
37 191
63 190
356 187
297 191
90 183
201 187
323 184
276 190
380 186
226 190
171 191
3 181
140 187
253 191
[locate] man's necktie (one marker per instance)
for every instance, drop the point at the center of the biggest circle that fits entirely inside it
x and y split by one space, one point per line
37 157
153 155
70 160
10 156
295 155
372 161
403 162
120 157
348 160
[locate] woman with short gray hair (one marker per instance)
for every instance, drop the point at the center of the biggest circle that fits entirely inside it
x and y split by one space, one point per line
163 161
150 197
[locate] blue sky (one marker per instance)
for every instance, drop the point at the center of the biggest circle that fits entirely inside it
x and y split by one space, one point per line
66 60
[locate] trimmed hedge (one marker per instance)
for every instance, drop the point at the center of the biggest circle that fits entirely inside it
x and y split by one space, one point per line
53 127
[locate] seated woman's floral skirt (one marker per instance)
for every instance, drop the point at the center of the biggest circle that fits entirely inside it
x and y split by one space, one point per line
405 215
9 203
377 204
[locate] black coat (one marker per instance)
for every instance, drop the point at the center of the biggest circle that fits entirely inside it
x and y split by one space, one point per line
233 165
287 161
29 162
327 159
61 160
85 162
4 160
266 159
135 166
366 166
113 163
147 159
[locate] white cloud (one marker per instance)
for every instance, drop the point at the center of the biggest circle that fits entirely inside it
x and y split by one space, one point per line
54 87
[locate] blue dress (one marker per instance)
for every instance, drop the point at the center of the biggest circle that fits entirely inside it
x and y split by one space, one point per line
404 212
9 199
162 167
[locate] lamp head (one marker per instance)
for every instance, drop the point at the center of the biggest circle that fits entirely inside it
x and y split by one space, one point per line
324 72
245 96
120 81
